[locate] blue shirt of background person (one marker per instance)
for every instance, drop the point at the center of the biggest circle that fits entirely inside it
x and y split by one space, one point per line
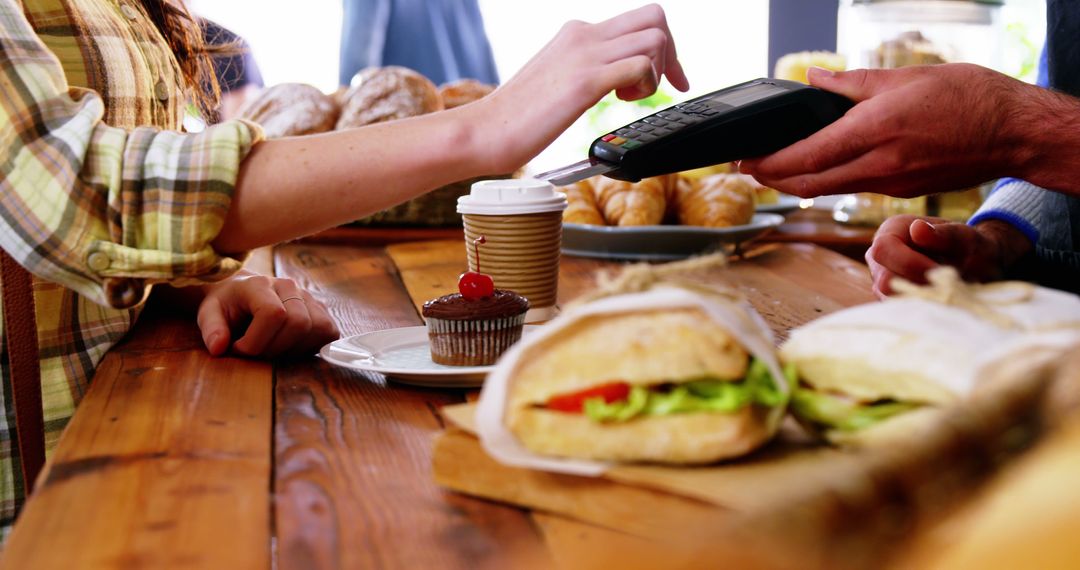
1050 220
444 40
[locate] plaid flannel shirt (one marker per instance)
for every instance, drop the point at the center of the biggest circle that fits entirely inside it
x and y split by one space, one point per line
100 195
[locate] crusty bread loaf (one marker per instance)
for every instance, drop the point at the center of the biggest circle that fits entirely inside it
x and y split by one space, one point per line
381 94
339 95
291 109
462 91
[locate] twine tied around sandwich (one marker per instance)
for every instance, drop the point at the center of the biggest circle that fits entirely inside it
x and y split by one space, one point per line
947 288
641 277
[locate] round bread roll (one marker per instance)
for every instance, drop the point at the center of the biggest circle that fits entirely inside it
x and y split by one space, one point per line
291 109
339 95
462 91
381 94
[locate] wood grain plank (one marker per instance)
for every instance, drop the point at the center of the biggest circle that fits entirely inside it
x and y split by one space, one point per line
579 546
816 269
353 485
429 269
816 226
461 464
166 463
359 285
789 284
793 284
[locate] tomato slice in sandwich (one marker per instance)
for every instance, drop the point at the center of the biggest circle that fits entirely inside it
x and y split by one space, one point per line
574 402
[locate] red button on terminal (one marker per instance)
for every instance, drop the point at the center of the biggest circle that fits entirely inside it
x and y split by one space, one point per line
607 138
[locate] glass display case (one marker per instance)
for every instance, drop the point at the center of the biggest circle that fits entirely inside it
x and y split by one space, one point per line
897 33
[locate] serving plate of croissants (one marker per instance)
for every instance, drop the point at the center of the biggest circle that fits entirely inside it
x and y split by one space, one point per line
662 218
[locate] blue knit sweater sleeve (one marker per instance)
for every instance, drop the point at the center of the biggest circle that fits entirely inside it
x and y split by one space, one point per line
1015 201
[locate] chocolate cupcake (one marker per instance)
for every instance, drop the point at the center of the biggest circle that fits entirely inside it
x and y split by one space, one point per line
475 331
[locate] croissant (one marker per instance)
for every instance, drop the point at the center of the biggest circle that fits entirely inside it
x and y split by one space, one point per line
582 208
633 204
716 201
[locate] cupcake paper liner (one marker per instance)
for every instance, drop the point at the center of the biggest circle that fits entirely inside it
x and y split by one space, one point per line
472 342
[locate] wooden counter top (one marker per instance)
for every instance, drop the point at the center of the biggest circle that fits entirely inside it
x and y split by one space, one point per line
177 459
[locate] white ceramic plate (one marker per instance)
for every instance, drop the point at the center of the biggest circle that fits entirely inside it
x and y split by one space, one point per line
659 243
402 354
784 203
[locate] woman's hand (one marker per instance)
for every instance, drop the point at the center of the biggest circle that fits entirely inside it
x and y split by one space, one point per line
908 246
914 131
272 317
628 54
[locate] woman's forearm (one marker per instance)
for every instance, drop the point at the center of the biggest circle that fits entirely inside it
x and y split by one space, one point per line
297 186
293 187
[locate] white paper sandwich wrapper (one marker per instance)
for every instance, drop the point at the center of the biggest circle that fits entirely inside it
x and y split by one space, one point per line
945 335
1019 355
745 325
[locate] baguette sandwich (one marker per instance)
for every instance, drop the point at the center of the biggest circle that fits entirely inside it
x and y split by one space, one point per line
924 350
664 376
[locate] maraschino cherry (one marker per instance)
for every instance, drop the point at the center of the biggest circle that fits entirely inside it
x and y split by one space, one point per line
474 285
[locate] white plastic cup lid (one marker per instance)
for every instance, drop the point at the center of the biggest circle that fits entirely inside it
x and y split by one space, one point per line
510 197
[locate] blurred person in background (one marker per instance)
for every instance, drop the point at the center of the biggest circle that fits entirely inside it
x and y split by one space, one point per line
106 200
444 40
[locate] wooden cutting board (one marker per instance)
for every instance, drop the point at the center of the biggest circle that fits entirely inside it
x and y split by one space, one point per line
1022 518
673 497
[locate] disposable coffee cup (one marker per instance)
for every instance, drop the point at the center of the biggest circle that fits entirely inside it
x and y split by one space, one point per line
521 222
